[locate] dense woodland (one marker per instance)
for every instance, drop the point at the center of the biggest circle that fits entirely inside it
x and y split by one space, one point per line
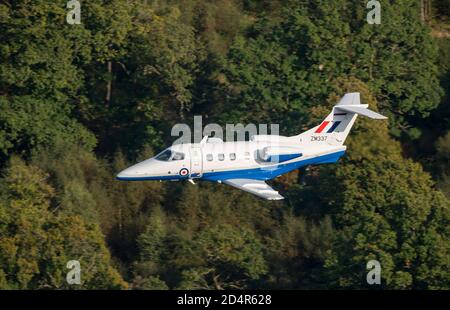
78 103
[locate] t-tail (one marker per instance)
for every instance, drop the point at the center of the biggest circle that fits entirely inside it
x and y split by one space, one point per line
334 129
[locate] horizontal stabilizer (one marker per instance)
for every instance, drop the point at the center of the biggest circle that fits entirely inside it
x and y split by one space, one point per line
361 110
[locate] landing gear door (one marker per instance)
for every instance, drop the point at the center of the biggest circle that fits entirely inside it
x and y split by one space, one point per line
196 162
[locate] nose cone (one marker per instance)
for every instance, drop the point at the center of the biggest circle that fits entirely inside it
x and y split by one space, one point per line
136 172
130 173
124 175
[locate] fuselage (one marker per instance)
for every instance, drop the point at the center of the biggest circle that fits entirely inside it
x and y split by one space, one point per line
215 160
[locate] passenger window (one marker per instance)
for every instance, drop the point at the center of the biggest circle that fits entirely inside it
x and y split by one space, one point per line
232 156
209 157
221 157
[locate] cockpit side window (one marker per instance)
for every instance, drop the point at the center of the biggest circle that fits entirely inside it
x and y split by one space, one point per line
164 156
177 156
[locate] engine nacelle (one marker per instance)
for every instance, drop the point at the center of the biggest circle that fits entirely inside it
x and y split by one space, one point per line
278 154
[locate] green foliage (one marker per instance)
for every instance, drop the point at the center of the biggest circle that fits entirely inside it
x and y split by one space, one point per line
443 163
38 241
235 250
219 257
164 52
87 188
262 80
297 252
392 221
38 76
286 66
151 241
150 283
386 208
78 103
198 245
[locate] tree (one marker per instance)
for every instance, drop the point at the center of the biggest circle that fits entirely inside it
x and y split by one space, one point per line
400 65
226 258
385 207
79 103
152 248
285 67
296 252
37 241
262 82
38 76
164 52
443 163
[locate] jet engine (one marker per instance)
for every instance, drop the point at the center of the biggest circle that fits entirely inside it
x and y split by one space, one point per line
278 154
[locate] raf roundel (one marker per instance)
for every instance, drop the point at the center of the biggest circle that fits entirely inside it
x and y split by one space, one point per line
184 172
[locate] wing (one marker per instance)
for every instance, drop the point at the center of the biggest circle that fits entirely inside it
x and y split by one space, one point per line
255 187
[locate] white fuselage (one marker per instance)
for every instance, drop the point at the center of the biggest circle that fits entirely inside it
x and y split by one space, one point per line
215 160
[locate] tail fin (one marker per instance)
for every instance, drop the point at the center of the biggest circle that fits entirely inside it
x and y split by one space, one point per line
335 128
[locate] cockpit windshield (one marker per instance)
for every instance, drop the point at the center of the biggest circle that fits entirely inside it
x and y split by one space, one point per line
164 156
169 155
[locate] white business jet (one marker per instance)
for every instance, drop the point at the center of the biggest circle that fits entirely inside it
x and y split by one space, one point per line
246 165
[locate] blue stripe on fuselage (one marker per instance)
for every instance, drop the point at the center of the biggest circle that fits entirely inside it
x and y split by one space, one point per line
260 173
283 157
267 173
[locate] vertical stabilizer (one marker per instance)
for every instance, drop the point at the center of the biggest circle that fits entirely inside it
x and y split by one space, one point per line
334 129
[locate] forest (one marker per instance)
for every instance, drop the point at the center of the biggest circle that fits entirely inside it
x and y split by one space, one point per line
80 102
